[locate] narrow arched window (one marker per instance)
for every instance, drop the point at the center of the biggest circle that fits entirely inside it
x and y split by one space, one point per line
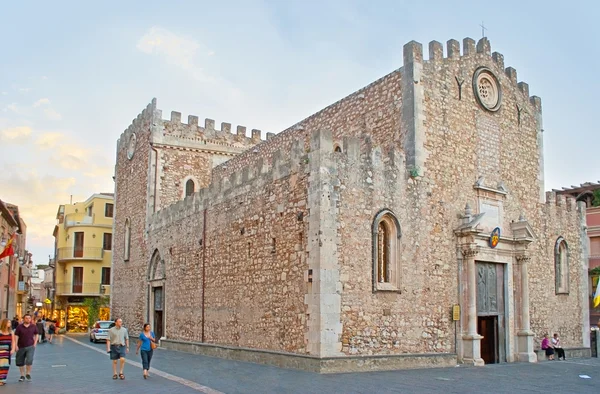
189 187
127 240
386 252
561 266
383 253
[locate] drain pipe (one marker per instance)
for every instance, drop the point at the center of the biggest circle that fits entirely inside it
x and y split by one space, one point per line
204 245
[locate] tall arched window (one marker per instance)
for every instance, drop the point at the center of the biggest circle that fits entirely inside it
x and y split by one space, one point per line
386 252
561 266
190 187
127 240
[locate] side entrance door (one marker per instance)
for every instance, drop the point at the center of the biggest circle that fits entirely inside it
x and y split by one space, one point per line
158 312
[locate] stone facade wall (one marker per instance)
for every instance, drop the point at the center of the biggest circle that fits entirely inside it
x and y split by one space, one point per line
132 180
255 262
181 166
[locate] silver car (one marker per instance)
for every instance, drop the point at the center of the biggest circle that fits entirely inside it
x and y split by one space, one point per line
100 330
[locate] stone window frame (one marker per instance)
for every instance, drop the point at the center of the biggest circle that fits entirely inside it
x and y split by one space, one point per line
561 266
127 239
156 263
184 185
392 282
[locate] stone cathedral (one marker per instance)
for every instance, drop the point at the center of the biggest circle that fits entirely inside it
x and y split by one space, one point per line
404 226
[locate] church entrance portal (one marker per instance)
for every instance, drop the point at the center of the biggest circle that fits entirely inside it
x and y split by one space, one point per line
491 322
156 294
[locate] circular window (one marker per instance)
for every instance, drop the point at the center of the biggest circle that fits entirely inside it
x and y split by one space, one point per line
131 146
487 89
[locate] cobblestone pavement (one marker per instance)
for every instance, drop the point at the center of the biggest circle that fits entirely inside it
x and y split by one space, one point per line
73 365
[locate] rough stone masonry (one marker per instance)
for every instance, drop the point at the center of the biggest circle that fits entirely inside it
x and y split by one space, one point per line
347 241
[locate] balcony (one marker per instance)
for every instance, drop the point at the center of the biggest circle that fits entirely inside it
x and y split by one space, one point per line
82 289
78 219
22 287
66 254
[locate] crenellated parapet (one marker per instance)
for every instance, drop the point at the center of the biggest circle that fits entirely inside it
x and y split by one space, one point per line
561 201
258 174
143 120
413 52
193 131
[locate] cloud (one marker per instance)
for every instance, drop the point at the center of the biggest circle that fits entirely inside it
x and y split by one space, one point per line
24 90
42 101
15 134
52 114
177 50
5 93
13 107
49 140
188 54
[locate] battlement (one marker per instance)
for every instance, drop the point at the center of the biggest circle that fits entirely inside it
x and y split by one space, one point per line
137 123
562 201
413 52
192 130
254 176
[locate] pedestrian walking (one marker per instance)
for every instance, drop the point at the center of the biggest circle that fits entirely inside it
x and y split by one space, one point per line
26 337
15 323
7 348
560 352
117 345
147 344
41 330
51 331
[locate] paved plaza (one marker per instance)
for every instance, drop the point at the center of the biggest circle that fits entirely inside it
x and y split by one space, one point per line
73 365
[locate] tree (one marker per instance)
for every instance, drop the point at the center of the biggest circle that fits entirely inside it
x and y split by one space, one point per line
596 199
93 305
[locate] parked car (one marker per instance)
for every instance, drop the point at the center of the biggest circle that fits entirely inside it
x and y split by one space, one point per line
100 330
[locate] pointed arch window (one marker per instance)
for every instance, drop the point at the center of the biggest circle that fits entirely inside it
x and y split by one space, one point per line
127 240
157 267
386 252
561 266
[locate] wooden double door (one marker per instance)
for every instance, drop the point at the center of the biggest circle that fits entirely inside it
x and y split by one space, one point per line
491 321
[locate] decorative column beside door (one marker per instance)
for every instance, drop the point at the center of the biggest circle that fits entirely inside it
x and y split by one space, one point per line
525 335
471 340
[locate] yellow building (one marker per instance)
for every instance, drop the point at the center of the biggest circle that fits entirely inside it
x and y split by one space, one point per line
83 253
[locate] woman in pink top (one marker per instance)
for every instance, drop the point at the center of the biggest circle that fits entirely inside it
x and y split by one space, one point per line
548 347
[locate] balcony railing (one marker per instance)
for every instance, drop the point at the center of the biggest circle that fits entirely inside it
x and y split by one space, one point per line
70 288
80 254
78 219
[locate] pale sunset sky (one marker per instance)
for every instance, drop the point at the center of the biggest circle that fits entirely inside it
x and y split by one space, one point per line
74 74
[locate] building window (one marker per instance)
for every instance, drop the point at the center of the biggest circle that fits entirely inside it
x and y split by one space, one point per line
127 240
561 266
190 187
89 210
105 275
386 252
107 241
108 210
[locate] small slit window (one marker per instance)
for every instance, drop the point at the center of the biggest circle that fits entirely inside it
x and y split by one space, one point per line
337 148
127 240
190 187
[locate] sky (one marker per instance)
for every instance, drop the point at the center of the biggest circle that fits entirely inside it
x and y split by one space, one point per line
74 74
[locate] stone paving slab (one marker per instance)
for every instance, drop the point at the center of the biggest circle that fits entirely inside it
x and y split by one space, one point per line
233 377
68 367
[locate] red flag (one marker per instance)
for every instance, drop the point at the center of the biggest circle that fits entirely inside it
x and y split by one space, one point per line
8 249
